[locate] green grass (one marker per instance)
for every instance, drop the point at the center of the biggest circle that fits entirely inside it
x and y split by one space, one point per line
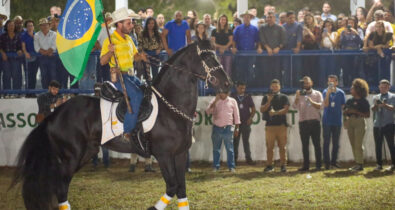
249 188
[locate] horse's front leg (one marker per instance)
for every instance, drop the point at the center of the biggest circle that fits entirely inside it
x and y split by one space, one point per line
167 167
181 160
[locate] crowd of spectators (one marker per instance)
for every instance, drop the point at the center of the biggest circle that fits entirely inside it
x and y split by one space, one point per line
280 37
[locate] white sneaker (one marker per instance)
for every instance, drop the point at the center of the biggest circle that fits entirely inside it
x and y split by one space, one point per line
232 170
215 170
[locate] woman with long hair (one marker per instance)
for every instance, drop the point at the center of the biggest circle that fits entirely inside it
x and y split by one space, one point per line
150 42
222 38
311 41
10 42
355 111
361 14
379 40
200 33
351 39
328 42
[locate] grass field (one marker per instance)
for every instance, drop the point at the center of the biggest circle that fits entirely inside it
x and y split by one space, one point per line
248 188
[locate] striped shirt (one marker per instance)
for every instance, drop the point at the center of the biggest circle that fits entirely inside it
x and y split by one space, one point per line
124 50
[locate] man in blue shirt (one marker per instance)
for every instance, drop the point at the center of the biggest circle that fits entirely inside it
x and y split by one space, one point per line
31 62
245 37
176 34
383 109
294 33
334 100
326 12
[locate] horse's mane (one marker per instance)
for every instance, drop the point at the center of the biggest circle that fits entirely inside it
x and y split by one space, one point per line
203 44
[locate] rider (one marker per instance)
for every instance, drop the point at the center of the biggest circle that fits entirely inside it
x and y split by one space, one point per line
125 51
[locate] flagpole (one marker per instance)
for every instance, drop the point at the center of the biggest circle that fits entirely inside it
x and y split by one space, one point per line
125 95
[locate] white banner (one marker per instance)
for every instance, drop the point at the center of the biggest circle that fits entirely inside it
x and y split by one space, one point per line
17 119
5 7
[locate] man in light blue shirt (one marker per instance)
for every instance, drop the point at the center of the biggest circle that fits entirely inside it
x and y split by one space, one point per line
294 32
326 9
383 119
245 37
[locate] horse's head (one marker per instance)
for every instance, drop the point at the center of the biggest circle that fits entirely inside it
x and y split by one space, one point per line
211 68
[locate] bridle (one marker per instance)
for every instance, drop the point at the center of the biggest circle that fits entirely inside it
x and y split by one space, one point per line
207 78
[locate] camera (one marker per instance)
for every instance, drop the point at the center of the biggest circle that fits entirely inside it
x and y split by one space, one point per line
379 102
303 91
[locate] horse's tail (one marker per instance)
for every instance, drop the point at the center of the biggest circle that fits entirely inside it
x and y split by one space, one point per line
38 170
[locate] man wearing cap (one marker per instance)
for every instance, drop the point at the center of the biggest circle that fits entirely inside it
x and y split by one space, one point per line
226 121
124 49
45 44
176 34
383 120
245 37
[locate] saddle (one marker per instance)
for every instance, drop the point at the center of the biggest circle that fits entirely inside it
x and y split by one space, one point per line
137 136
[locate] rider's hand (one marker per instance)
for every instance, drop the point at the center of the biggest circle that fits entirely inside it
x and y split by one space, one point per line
111 48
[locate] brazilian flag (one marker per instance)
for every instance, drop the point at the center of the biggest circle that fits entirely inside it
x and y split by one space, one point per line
78 30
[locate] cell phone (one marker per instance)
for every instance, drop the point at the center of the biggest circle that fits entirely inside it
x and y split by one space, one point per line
325 30
379 102
349 27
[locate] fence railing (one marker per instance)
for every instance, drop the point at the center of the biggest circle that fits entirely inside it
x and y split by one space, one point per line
287 54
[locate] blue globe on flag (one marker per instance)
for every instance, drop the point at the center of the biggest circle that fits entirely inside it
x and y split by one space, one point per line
76 20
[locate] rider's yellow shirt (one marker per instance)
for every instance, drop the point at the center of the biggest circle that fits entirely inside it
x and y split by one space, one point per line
124 50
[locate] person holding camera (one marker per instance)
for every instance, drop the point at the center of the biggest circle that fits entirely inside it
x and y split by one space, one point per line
274 108
308 103
334 100
383 119
351 39
355 112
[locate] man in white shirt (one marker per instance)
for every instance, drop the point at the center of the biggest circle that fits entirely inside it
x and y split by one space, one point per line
45 44
378 15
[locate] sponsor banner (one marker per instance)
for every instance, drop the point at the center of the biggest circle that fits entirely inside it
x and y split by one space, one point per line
17 119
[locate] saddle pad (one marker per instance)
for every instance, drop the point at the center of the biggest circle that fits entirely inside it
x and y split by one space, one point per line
112 127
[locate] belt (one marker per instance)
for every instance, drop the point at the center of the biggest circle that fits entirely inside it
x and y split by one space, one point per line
223 127
309 121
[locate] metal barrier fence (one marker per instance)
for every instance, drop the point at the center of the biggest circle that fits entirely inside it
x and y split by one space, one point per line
288 73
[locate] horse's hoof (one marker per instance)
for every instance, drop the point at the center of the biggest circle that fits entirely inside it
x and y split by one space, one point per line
152 208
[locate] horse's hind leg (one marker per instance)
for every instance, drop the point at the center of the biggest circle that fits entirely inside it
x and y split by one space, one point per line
181 160
167 167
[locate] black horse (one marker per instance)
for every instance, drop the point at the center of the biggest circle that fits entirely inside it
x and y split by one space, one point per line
68 138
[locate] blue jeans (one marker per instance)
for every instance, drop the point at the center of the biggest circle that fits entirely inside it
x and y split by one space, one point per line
244 71
48 70
328 132
106 158
63 75
291 71
135 94
225 134
31 73
327 67
12 72
154 63
89 78
103 72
